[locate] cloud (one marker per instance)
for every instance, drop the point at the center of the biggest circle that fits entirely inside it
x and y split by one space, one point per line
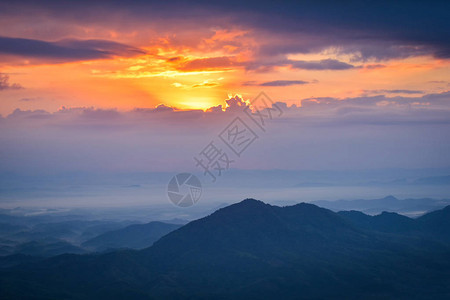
377 30
65 50
205 84
208 63
163 108
374 66
398 91
235 104
32 115
265 65
437 81
363 132
325 64
6 85
429 108
30 99
404 107
283 83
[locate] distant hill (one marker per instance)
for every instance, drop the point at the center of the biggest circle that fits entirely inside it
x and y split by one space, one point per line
435 180
410 207
47 238
252 250
385 222
47 248
25 228
136 236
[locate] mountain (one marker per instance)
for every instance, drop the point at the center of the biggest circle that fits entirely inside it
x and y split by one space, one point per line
437 222
7 228
50 237
434 180
28 228
17 259
253 250
47 248
409 207
385 222
251 227
136 236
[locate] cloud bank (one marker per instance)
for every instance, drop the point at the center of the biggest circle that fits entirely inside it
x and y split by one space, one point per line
321 133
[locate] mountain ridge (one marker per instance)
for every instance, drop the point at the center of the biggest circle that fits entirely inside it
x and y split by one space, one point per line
136 236
247 250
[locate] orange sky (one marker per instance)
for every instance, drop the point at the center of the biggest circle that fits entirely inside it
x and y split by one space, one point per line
193 68
148 80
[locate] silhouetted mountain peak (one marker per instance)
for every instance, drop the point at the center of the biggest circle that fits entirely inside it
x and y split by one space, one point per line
308 207
245 207
388 213
257 229
252 202
392 218
353 212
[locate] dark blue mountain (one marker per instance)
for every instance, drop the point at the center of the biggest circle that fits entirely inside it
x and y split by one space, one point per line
410 207
252 250
385 222
137 236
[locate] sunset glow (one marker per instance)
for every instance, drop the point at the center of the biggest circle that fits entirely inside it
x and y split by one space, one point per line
143 64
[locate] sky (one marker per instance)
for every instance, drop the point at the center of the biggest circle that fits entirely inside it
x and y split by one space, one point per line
193 54
144 86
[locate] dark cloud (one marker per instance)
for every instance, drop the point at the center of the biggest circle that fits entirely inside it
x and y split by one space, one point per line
6 85
175 58
275 83
374 66
369 29
378 30
283 83
380 50
264 65
65 50
325 64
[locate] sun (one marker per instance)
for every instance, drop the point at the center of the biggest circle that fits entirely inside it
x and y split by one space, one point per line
198 102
